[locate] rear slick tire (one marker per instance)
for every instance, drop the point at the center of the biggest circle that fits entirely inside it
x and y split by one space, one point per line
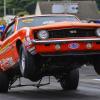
4 82
97 68
71 80
27 63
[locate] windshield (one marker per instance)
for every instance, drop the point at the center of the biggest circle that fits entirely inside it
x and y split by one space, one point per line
43 20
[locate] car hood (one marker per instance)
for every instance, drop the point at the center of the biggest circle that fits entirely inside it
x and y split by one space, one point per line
65 24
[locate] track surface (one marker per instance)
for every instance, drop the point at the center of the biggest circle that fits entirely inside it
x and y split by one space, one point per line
88 89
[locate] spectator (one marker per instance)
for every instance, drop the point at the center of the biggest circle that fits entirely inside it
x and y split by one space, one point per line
2 28
99 21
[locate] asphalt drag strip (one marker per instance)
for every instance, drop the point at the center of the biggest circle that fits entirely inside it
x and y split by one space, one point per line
88 89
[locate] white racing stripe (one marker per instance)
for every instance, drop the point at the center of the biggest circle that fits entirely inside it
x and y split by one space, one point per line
27 33
28 30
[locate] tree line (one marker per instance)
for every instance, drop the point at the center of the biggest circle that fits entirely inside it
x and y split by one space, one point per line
25 6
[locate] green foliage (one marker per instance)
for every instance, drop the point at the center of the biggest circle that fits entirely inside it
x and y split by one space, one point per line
24 12
25 6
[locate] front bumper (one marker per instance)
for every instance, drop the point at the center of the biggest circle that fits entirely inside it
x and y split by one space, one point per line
65 40
47 47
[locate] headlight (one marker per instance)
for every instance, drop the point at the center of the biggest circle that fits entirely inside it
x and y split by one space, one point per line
43 34
98 32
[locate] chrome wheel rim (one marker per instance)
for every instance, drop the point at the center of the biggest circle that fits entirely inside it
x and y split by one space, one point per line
23 61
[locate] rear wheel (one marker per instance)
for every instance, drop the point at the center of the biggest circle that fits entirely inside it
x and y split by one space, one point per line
70 80
4 82
27 63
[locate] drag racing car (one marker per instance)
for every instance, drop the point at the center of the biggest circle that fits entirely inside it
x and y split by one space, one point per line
48 45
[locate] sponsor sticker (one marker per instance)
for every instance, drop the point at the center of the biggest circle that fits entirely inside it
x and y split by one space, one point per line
2 68
33 52
17 59
23 40
73 45
26 41
4 49
27 20
31 49
14 44
7 62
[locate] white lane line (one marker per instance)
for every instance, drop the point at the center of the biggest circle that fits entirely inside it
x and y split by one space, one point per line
96 79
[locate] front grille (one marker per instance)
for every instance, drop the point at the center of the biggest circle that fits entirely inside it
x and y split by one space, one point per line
66 33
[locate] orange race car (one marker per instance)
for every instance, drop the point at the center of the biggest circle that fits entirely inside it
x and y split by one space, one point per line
48 45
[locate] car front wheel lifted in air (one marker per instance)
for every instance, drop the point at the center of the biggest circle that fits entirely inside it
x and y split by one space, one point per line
27 63
4 82
70 80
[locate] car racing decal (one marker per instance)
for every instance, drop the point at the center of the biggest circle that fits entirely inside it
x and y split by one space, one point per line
73 45
4 49
27 33
27 20
17 59
7 63
14 44
27 41
31 49
33 52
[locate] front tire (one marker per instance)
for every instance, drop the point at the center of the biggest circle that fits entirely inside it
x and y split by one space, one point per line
27 63
70 80
4 82
97 67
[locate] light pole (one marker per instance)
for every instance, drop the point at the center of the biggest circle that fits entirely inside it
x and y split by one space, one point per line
4 7
66 4
13 11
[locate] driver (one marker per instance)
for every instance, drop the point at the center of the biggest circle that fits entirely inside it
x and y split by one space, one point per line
2 28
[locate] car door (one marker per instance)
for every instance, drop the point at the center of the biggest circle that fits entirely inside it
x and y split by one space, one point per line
6 55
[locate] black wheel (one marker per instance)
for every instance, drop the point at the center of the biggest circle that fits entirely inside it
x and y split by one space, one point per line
70 80
4 82
27 63
97 67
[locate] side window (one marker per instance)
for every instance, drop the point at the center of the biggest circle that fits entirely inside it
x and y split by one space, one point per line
10 31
